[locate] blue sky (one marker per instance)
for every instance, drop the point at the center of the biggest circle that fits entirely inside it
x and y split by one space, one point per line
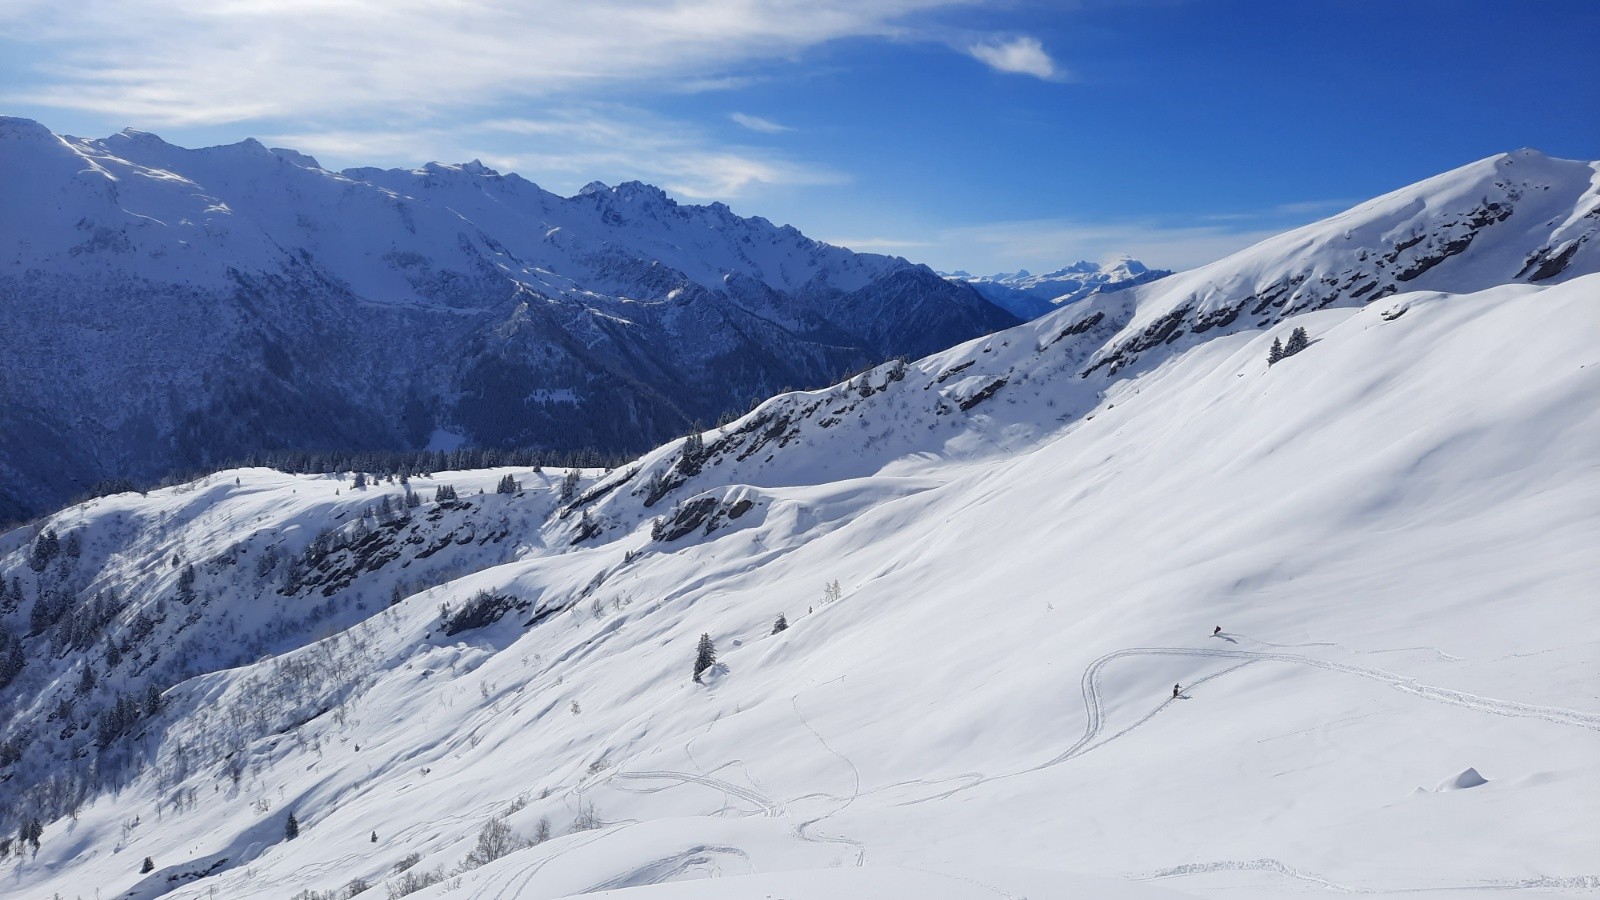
984 136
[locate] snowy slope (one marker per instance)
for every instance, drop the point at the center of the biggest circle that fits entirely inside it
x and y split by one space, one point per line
1031 546
164 307
1029 296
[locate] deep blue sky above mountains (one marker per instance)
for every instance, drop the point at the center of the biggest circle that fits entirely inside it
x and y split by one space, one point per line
981 136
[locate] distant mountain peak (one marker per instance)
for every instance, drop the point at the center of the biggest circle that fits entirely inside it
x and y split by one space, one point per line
1027 295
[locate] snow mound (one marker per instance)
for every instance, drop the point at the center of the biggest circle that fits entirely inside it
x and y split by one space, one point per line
1468 778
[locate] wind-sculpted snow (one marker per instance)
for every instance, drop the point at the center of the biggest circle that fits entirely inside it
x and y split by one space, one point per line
279 304
949 600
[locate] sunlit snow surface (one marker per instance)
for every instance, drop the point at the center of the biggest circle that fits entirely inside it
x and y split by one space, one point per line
1395 529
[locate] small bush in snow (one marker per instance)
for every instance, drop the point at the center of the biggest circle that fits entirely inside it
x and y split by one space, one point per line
414 880
406 862
588 819
495 839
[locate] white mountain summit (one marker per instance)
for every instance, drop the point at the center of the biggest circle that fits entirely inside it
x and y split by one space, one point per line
994 564
1029 296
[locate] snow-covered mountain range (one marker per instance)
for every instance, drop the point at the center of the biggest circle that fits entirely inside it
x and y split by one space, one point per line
1367 566
1029 296
164 308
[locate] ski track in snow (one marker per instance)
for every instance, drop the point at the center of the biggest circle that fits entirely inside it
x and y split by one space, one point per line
523 877
1566 882
701 858
1348 649
801 829
1253 865
1094 705
769 807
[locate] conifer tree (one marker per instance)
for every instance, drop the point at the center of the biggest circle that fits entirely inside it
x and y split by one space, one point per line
291 828
780 625
705 656
1298 340
148 866
1276 353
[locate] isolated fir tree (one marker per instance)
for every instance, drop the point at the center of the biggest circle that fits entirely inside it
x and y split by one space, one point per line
11 658
30 832
46 548
705 656
360 481
1298 340
186 585
374 837
694 453
148 866
291 827
780 625
1276 353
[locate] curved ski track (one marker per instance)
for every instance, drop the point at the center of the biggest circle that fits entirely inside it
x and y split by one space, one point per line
1094 711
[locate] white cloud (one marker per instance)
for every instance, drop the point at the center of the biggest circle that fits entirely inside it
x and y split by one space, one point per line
1021 56
756 123
562 150
624 144
191 63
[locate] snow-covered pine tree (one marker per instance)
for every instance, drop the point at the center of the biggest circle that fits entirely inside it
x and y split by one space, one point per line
148 866
291 827
46 548
507 485
1298 340
780 625
705 656
1276 353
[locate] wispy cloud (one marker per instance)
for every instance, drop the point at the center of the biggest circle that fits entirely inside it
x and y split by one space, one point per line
1019 56
756 123
565 148
893 246
181 62
625 143
1043 244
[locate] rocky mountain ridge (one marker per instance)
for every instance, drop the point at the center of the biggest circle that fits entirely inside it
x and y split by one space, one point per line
164 308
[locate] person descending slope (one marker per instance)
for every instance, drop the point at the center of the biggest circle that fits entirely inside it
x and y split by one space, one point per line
1216 631
1176 689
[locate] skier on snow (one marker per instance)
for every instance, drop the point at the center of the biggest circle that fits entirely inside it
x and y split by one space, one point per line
1175 690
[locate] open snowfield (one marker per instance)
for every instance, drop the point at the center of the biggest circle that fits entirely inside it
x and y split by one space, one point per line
1395 530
